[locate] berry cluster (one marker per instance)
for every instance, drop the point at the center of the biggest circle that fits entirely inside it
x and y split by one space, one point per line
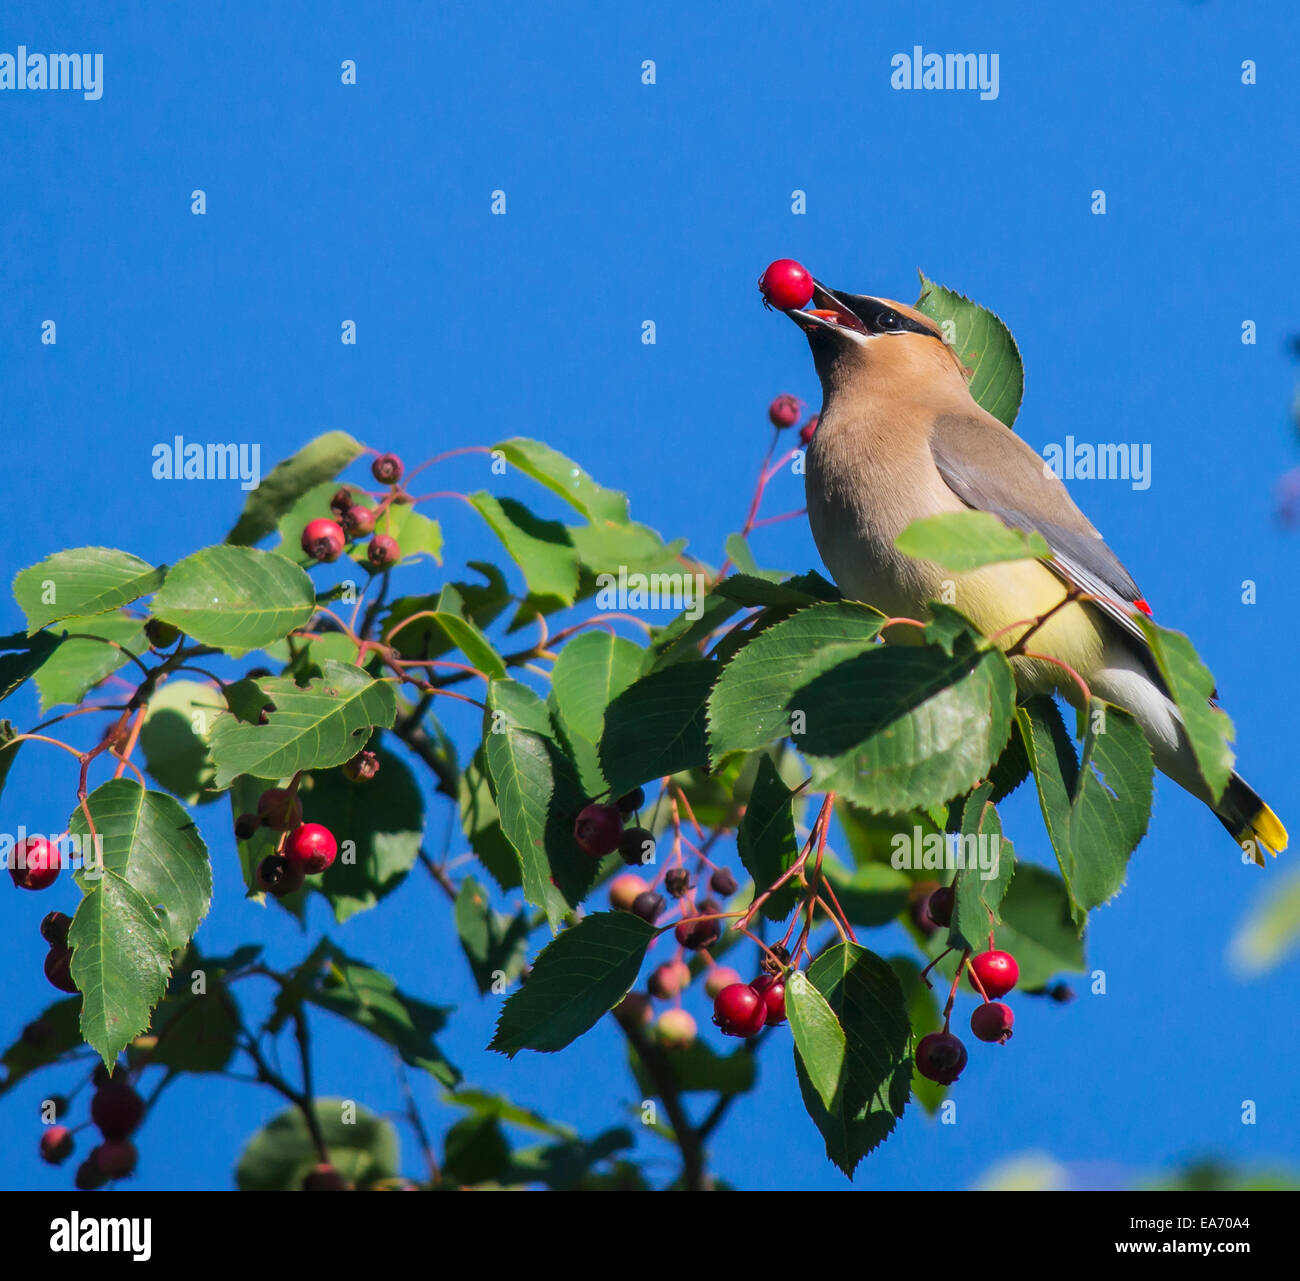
302 850
116 1111
324 538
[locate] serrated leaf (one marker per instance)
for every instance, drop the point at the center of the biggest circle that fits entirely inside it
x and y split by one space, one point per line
580 975
320 460
966 540
481 824
1209 730
899 727
984 345
750 704
1096 808
864 994
325 723
235 598
985 865
121 959
541 548
20 656
744 589
593 669
362 1148
657 726
818 1037
76 666
150 841
495 945
563 476
82 582
766 839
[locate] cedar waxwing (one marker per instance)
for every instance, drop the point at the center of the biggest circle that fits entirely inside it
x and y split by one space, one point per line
900 437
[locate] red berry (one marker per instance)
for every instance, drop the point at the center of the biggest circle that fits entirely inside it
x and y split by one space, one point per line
809 430
625 890
56 1144
58 968
772 990
939 906
279 809
675 1029
786 285
387 469
668 979
992 1021
116 1109
940 1057
115 1158
357 522
739 1011
996 971
312 847
784 411
383 551
598 829
323 540
34 863
718 977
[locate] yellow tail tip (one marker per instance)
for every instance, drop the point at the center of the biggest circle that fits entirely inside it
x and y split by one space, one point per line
1265 830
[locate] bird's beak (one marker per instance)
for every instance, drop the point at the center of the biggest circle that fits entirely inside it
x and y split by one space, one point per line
828 313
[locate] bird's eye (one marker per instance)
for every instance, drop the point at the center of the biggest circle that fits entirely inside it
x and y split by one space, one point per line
890 320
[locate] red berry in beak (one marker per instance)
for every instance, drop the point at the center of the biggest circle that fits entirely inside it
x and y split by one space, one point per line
786 285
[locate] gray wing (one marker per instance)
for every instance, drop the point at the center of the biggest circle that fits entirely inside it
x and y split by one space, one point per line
991 469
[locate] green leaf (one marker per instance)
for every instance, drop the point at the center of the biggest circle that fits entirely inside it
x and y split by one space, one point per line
1037 928
371 1000
580 975
745 589
416 534
742 556
82 582
968 540
904 726
280 1156
196 1031
875 1080
235 598
749 705
818 1037
983 344
923 1014
459 633
593 669
120 962
1208 728
541 548
20 657
495 945
481 824
977 895
150 842
56 1032
657 726
1096 809
563 476
7 753
699 1069
766 838
76 666
1269 932
538 797
174 738
379 825
634 549
320 460
325 723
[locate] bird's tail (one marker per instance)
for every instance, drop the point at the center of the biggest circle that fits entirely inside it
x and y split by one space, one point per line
1251 823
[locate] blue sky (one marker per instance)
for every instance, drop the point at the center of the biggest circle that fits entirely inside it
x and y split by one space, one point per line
628 202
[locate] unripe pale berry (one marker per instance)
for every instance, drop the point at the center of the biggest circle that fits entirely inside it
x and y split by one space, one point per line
675 1030
784 411
786 285
598 829
996 971
323 540
34 863
739 1011
718 977
312 846
624 891
668 979
992 1021
940 1057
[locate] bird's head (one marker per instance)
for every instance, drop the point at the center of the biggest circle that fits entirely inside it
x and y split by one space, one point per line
862 342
